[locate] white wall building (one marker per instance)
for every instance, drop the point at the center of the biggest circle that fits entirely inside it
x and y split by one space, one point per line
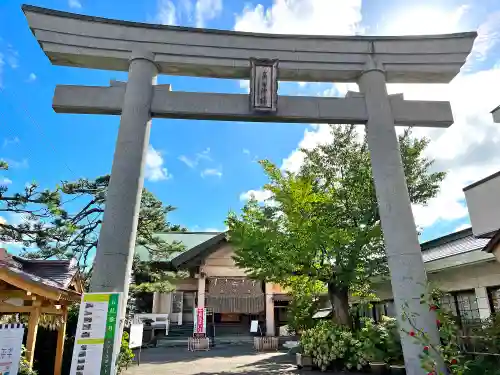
456 264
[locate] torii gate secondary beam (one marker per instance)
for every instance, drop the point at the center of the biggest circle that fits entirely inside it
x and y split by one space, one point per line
234 107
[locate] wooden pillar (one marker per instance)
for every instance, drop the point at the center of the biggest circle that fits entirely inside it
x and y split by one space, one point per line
201 290
61 333
32 331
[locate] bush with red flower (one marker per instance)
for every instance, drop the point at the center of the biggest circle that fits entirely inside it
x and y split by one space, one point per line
448 351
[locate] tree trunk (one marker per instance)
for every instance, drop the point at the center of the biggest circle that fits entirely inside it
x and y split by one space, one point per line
339 298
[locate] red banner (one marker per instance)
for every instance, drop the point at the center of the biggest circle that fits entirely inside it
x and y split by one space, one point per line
200 320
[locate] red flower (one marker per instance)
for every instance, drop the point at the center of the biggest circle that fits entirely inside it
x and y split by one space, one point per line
438 322
432 373
433 308
454 361
426 348
412 333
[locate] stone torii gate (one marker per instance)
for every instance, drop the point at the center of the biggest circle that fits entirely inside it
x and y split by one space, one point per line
146 50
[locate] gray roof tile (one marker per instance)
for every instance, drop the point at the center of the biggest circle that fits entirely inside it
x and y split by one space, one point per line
54 273
453 244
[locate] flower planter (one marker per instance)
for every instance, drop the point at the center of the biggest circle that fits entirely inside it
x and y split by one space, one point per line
378 368
303 361
398 370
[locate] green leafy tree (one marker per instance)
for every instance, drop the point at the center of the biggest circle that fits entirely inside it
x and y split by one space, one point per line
65 222
305 302
323 221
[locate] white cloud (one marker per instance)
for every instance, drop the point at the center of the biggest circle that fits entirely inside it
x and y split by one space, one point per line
155 171
3 220
192 162
189 162
205 155
212 230
216 172
488 36
12 57
197 228
10 141
314 136
245 85
322 17
341 17
246 151
166 13
5 181
32 77
75 4
259 195
206 10
468 150
421 20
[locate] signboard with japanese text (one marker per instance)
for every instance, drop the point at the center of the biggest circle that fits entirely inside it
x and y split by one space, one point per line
97 339
254 326
200 320
135 337
11 341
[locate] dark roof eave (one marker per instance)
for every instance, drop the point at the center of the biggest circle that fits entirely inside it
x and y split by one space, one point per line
482 181
495 109
492 244
50 262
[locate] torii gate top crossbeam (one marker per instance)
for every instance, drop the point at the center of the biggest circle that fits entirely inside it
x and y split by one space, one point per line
92 42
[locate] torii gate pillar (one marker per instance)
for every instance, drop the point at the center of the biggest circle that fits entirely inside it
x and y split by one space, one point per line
408 276
113 259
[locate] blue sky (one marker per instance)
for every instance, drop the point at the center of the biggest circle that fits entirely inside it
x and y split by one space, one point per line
206 168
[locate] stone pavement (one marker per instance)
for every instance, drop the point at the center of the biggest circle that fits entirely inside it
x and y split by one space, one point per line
221 360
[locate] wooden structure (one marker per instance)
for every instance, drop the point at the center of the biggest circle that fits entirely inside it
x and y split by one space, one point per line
198 343
38 287
265 343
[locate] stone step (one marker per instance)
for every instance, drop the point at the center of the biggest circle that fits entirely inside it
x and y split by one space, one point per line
219 341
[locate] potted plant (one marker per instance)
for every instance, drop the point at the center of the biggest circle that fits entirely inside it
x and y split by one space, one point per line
395 358
377 362
303 361
375 339
398 369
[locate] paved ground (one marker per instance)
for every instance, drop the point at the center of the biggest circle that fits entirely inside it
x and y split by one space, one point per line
221 360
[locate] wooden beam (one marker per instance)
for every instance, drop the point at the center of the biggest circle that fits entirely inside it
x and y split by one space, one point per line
61 333
32 332
236 107
16 293
11 309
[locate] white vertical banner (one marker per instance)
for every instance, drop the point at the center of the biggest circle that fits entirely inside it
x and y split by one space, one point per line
11 341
